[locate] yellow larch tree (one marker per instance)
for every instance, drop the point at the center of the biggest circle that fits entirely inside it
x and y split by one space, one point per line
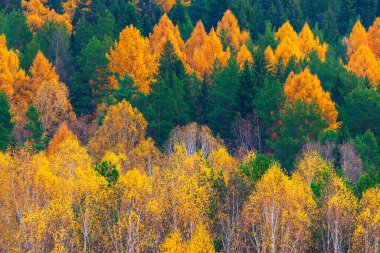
196 40
364 63
11 76
131 56
286 50
70 6
286 30
41 71
163 32
308 43
211 53
277 216
229 31
167 5
367 232
243 57
53 105
37 14
358 37
122 129
373 37
307 88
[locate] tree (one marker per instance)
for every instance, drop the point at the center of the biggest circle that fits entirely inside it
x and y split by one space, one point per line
307 88
53 105
37 14
163 32
229 31
122 129
364 64
41 71
6 125
131 57
358 37
366 235
277 216
243 57
36 134
373 37
91 84
298 123
63 134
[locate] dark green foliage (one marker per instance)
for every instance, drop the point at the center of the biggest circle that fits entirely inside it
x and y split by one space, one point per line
361 111
298 123
222 97
6 125
16 30
89 86
319 185
36 134
166 106
108 171
368 149
256 168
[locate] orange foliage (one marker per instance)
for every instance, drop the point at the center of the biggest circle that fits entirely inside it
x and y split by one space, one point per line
209 54
63 133
163 32
130 56
228 29
41 71
307 88
293 45
357 38
244 56
37 14
363 63
196 40
373 37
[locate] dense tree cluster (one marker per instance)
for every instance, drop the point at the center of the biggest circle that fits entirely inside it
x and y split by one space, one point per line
189 126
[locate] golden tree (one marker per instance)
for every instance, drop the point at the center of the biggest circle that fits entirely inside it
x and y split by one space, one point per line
357 38
211 53
277 216
53 105
41 71
122 129
163 32
229 31
307 88
286 30
196 40
367 233
373 37
130 56
363 63
37 14
244 56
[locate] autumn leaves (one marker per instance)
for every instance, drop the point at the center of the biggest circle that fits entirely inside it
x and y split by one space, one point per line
137 56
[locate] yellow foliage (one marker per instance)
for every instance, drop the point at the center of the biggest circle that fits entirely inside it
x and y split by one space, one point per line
221 162
367 232
286 30
196 40
277 216
173 244
122 129
244 56
52 102
130 56
307 88
363 63
63 133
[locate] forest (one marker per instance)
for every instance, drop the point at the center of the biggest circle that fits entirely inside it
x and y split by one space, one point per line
189 126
